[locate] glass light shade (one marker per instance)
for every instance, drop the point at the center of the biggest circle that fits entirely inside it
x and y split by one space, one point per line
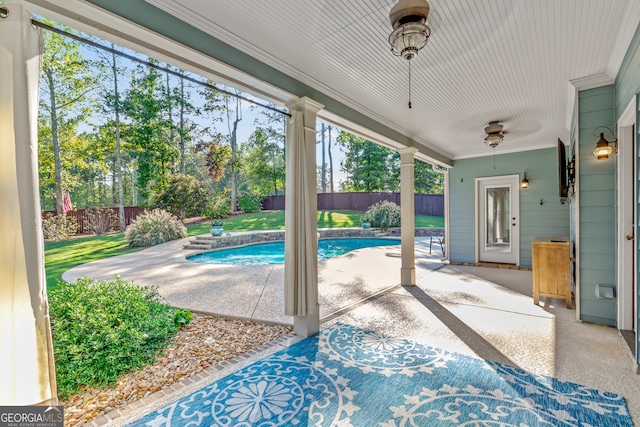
408 39
602 150
493 139
524 183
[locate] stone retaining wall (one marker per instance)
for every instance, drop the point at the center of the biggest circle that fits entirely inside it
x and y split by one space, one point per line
247 238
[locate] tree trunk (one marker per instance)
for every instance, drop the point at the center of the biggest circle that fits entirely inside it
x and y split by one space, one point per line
172 130
330 161
123 224
182 154
56 144
234 146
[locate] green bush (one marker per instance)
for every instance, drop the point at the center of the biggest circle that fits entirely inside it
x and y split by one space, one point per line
104 329
219 207
154 227
383 214
59 227
249 202
185 196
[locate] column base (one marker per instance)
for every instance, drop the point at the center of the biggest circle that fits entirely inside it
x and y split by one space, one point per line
408 276
308 325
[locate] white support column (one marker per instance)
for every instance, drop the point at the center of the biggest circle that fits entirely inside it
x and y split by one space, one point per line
301 228
407 210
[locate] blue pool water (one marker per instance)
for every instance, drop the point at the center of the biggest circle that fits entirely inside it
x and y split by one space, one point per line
273 252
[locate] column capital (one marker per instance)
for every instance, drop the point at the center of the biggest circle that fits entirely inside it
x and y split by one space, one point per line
408 150
304 104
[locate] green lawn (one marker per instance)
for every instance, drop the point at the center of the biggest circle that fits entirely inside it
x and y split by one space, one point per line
63 255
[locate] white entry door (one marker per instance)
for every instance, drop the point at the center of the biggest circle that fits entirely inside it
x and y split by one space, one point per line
498 219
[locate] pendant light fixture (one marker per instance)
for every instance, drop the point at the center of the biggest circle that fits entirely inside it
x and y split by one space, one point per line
410 32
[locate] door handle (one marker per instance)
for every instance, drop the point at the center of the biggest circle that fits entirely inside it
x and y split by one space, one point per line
629 236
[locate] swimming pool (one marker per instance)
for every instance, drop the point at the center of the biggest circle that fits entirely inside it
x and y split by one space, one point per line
273 252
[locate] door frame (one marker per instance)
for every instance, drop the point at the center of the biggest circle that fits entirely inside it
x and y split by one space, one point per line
627 311
514 181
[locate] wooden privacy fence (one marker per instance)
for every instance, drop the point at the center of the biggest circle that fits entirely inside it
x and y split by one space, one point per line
130 213
425 204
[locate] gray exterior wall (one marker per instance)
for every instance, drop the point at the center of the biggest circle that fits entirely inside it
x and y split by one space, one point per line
551 218
597 206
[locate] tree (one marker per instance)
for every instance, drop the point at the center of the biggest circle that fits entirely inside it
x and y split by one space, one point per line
66 85
427 181
233 142
323 163
329 153
369 166
148 132
264 163
113 107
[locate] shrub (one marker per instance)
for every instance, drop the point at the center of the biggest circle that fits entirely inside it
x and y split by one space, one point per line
219 207
249 202
154 227
185 196
59 227
101 220
104 329
383 214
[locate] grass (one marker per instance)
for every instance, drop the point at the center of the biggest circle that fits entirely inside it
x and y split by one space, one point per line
63 255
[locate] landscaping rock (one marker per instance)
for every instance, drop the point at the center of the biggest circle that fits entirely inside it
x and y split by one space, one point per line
185 356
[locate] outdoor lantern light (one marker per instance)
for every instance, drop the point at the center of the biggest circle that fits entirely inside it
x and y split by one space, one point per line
525 182
603 150
494 134
410 33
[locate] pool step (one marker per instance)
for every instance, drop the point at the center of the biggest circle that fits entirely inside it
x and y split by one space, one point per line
199 243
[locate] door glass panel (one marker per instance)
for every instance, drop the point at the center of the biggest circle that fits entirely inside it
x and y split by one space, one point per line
498 213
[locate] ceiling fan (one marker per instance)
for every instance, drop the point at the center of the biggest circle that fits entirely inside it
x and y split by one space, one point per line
495 134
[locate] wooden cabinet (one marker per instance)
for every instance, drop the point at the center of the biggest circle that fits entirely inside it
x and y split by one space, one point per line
551 269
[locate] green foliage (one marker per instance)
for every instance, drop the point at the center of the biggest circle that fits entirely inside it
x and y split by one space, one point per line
383 214
217 223
248 202
427 181
154 227
59 227
182 317
264 161
65 103
145 105
104 329
185 196
219 207
101 220
369 166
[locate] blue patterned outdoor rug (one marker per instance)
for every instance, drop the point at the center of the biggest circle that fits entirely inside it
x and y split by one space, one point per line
347 376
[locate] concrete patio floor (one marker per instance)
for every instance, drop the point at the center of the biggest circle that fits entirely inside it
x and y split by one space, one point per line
482 312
